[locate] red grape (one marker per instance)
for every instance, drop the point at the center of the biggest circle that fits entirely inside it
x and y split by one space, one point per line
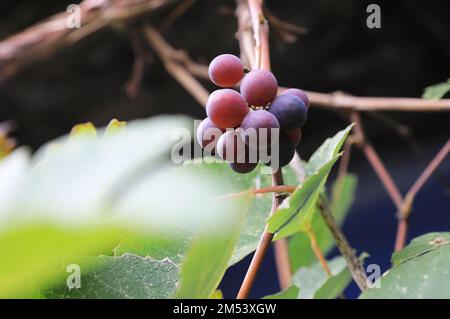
295 135
259 87
298 93
281 153
232 148
243 168
208 134
289 110
226 108
257 128
226 70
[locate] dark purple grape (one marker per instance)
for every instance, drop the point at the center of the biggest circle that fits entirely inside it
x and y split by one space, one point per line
226 70
232 148
290 111
281 153
298 93
259 87
226 108
208 134
295 134
243 168
258 127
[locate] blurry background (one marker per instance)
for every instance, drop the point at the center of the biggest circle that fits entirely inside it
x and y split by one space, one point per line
411 51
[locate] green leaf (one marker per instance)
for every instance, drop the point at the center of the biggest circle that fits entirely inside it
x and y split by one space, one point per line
327 151
122 182
115 126
419 246
436 91
209 256
290 293
125 277
420 271
296 212
313 283
260 206
84 130
157 245
29 254
342 197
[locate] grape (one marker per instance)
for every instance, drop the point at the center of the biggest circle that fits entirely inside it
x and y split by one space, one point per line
290 111
226 70
259 87
285 149
257 129
295 135
298 93
226 108
208 134
243 168
232 148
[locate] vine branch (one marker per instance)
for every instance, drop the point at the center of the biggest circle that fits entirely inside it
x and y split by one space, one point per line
262 60
353 263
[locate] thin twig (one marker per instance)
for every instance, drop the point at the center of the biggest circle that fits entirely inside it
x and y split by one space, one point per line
44 39
262 56
345 160
402 229
141 58
264 190
376 162
177 70
175 14
317 252
353 263
339 101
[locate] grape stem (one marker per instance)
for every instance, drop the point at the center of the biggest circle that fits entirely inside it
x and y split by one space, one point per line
317 252
261 60
264 190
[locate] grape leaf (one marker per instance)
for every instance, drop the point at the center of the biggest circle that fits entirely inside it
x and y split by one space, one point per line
420 271
313 283
157 245
436 91
205 264
296 212
289 293
101 186
125 277
419 246
342 196
29 254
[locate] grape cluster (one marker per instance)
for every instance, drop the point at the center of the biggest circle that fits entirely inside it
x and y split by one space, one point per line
255 124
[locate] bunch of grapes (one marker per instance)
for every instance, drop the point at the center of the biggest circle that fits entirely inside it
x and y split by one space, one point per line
255 124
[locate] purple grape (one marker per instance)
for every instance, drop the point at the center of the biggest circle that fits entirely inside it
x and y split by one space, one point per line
232 148
298 93
290 111
208 134
258 127
281 153
259 87
295 134
243 168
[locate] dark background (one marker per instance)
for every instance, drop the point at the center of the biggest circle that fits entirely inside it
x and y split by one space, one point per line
411 51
